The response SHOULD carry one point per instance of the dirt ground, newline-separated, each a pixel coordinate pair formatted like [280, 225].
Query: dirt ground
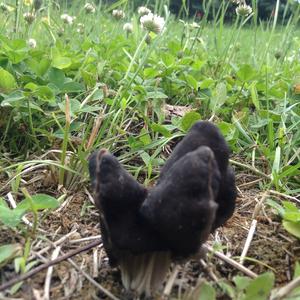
[271, 248]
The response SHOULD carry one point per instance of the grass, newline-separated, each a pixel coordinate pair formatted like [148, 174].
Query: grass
[93, 86]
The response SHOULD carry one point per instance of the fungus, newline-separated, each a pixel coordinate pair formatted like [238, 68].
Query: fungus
[181, 207]
[130, 243]
[204, 133]
[143, 230]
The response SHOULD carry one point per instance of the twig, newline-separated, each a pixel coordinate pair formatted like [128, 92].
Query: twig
[95, 237]
[170, 283]
[258, 206]
[89, 195]
[95, 263]
[252, 229]
[48, 264]
[284, 196]
[95, 283]
[87, 276]
[79, 269]
[26, 169]
[56, 243]
[254, 170]
[64, 204]
[100, 258]
[95, 131]
[248, 240]
[247, 184]
[37, 294]
[230, 261]
[211, 118]
[9, 298]
[49, 275]
[35, 179]
[286, 290]
[209, 270]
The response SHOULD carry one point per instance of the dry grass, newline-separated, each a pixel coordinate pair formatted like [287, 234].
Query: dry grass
[75, 224]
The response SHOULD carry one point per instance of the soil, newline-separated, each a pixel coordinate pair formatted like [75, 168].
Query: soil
[272, 248]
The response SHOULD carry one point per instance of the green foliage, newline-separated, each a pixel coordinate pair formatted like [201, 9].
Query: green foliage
[221, 71]
[187, 66]
[79, 90]
[13, 217]
[8, 252]
[245, 288]
[189, 119]
[8, 216]
[260, 287]
[207, 292]
[203, 291]
[290, 215]
[7, 81]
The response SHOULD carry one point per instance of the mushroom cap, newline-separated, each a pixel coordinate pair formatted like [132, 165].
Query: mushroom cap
[202, 133]
[205, 133]
[225, 198]
[118, 196]
[181, 208]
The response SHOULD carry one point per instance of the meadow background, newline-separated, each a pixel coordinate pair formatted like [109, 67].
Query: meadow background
[74, 79]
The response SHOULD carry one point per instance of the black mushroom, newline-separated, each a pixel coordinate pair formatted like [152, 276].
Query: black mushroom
[143, 230]
[129, 241]
[181, 207]
[205, 133]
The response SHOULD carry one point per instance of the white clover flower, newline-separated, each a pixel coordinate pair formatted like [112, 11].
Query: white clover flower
[118, 14]
[31, 43]
[64, 17]
[143, 10]
[153, 23]
[6, 8]
[67, 19]
[80, 28]
[3, 6]
[29, 17]
[294, 56]
[291, 57]
[185, 24]
[235, 1]
[243, 10]
[194, 25]
[90, 8]
[128, 27]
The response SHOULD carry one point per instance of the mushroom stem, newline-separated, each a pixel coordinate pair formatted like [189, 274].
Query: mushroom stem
[144, 273]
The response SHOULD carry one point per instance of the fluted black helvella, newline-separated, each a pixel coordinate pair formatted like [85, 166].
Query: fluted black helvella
[145, 229]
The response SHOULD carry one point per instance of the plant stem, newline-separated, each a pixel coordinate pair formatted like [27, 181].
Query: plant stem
[31, 124]
[135, 55]
[254, 170]
[65, 141]
[33, 209]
